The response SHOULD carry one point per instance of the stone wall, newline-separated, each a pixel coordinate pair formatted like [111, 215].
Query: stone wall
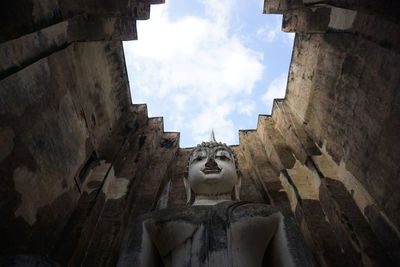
[65, 112]
[79, 163]
[335, 137]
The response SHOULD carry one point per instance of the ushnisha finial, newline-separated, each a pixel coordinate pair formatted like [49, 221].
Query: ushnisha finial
[212, 137]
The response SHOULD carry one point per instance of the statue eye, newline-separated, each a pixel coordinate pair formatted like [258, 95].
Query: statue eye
[222, 155]
[198, 157]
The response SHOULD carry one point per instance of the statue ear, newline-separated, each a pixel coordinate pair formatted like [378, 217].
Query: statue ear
[188, 190]
[238, 185]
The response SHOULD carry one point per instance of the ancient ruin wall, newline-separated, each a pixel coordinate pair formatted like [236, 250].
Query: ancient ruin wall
[334, 138]
[65, 107]
[79, 162]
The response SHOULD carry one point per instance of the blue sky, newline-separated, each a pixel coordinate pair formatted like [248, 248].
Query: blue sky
[204, 64]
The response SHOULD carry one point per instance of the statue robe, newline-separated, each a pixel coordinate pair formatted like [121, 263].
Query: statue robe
[239, 234]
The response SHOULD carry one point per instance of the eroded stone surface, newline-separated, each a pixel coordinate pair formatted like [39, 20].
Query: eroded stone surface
[7, 142]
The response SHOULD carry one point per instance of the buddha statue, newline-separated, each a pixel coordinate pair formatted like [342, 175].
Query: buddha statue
[217, 229]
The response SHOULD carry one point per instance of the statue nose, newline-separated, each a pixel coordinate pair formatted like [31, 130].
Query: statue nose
[211, 164]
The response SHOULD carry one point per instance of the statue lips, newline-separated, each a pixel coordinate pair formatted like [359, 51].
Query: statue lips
[212, 175]
[215, 170]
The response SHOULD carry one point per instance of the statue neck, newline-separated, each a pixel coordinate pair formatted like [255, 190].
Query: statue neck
[211, 199]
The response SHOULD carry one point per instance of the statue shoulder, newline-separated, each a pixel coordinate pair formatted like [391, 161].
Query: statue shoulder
[191, 214]
[252, 209]
[238, 210]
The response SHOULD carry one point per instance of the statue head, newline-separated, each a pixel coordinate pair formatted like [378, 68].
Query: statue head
[212, 171]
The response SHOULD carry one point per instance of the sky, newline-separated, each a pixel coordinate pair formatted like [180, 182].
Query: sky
[208, 64]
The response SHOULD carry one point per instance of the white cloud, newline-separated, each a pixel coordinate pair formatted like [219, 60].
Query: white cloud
[194, 66]
[273, 32]
[267, 34]
[177, 122]
[276, 89]
[180, 101]
[214, 118]
[246, 107]
[219, 10]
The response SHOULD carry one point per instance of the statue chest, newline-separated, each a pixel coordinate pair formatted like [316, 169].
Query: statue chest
[213, 237]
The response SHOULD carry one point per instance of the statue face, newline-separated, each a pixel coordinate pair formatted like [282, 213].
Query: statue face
[212, 171]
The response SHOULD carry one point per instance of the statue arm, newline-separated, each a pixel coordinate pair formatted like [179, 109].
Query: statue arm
[140, 250]
[149, 255]
[287, 248]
